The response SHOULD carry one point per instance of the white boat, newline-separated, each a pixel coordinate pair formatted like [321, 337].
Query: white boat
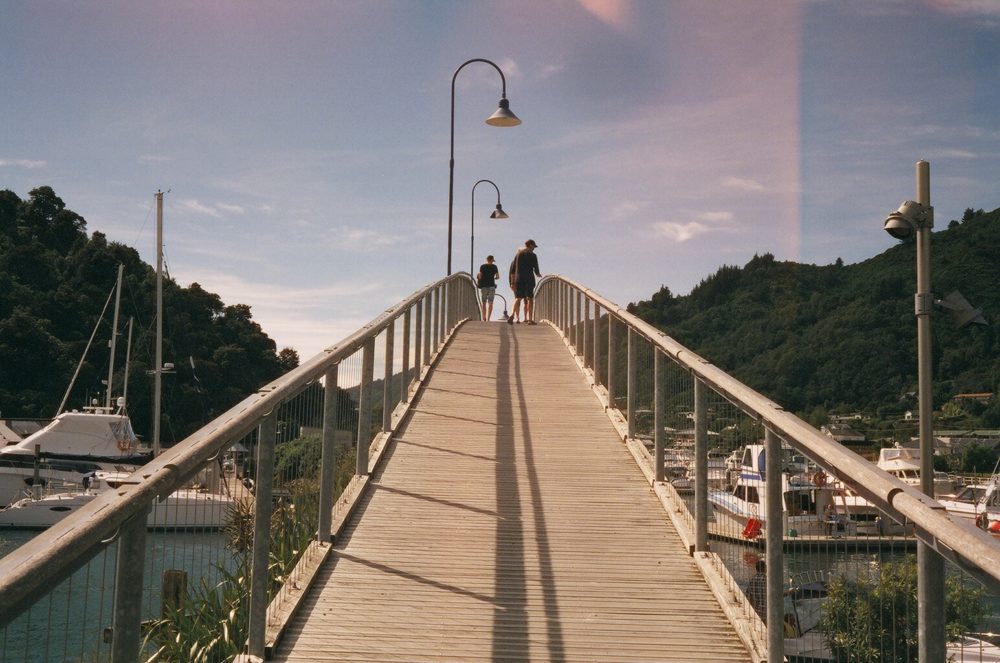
[71, 446]
[188, 508]
[904, 464]
[812, 505]
[976, 503]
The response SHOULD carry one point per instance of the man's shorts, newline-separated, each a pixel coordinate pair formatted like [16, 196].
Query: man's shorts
[486, 295]
[524, 289]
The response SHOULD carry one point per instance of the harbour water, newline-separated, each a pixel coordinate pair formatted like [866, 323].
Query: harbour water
[69, 623]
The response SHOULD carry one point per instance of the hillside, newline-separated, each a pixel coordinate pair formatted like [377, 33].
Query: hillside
[838, 337]
[54, 282]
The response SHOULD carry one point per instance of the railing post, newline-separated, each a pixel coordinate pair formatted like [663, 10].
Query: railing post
[365, 406]
[442, 308]
[595, 352]
[585, 347]
[435, 320]
[700, 466]
[126, 625]
[611, 361]
[775, 554]
[577, 323]
[428, 315]
[388, 405]
[418, 345]
[328, 458]
[659, 406]
[633, 365]
[404, 392]
[257, 619]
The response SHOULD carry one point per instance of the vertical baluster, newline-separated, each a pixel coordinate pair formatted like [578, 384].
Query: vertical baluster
[428, 315]
[404, 390]
[435, 320]
[585, 346]
[577, 324]
[267, 431]
[328, 462]
[388, 404]
[612, 378]
[365, 406]
[700, 465]
[775, 555]
[595, 352]
[418, 342]
[127, 617]
[630, 396]
[659, 410]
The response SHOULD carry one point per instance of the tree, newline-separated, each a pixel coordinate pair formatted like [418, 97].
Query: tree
[874, 619]
[288, 359]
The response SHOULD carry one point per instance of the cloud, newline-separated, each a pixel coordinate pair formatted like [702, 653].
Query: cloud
[24, 163]
[968, 7]
[362, 240]
[680, 232]
[217, 210]
[154, 158]
[194, 206]
[550, 70]
[955, 154]
[615, 13]
[625, 209]
[742, 184]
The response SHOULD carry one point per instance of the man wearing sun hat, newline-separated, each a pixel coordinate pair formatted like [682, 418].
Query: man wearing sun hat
[523, 270]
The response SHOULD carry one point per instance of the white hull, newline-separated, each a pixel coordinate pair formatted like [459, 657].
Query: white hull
[184, 509]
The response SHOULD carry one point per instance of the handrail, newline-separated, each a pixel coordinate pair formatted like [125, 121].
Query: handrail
[971, 549]
[54, 554]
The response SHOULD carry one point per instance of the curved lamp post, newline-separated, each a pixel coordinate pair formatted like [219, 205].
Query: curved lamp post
[917, 218]
[502, 117]
[498, 213]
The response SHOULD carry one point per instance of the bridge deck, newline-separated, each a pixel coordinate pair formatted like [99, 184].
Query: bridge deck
[509, 523]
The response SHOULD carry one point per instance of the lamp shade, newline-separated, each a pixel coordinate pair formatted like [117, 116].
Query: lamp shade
[498, 213]
[503, 117]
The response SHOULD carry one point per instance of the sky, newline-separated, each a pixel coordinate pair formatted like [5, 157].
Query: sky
[304, 146]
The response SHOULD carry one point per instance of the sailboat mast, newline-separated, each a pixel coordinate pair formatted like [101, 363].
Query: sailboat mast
[128, 356]
[158, 368]
[114, 336]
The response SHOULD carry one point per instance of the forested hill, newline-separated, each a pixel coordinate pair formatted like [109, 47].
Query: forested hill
[54, 282]
[838, 337]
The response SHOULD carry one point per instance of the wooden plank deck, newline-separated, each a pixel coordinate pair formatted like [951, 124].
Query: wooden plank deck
[509, 523]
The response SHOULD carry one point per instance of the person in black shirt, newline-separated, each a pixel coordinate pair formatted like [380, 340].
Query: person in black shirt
[522, 281]
[486, 281]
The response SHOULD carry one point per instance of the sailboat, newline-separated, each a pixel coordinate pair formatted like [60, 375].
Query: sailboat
[75, 443]
[200, 506]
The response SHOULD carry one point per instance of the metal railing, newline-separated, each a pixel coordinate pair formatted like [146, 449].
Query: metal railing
[91, 572]
[671, 407]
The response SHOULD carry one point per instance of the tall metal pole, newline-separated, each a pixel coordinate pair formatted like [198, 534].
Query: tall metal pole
[930, 571]
[775, 554]
[451, 153]
[158, 366]
[114, 336]
[472, 232]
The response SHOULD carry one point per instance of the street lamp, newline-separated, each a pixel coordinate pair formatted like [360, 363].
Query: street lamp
[502, 117]
[498, 213]
[918, 218]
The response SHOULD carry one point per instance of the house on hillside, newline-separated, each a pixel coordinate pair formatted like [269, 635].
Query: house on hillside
[844, 434]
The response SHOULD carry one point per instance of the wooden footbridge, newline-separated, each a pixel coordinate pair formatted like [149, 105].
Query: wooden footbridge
[509, 523]
[507, 507]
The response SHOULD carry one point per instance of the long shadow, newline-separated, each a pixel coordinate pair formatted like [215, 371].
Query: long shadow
[442, 450]
[510, 619]
[339, 554]
[435, 500]
[556, 646]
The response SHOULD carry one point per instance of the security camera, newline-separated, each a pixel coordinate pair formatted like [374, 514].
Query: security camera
[910, 216]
